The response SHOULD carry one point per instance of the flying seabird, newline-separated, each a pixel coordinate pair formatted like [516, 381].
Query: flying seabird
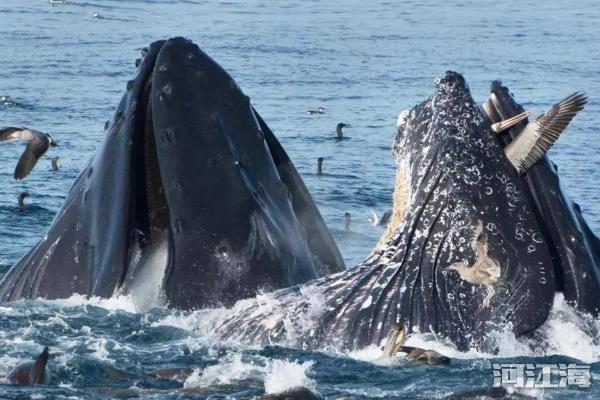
[338, 129]
[538, 136]
[38, 144]
[320, 110]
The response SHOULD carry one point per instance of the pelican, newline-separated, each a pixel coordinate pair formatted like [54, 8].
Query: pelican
[538, 136]
[485, 270]
[38, 145]
[395, 344]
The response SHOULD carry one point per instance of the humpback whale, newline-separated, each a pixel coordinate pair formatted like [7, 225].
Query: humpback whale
[190, 192]
[473, 246]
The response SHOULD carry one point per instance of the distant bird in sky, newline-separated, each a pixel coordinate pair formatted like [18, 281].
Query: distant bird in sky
[320, 110]
[37, 146]
[338, 129]
[383, 220]
[55, 163]
[22, 196]
[538, 136]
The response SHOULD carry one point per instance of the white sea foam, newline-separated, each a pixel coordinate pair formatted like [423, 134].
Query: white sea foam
[283, 375]
[277, 375]
[115, 303]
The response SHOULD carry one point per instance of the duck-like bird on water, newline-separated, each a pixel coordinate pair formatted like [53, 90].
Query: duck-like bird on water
[38, 145]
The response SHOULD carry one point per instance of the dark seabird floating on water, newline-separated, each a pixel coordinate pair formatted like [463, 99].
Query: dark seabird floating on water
[54, 161]
[338, 129]
[38, 145]
[22, 206]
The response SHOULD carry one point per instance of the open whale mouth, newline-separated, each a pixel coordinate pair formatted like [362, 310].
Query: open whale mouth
[478, 245]
[469, 250]
[191, 197]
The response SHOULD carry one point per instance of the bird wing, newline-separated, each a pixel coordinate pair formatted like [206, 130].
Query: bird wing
[10, 133]
[549, 126]
[25, 164]
[34, 150]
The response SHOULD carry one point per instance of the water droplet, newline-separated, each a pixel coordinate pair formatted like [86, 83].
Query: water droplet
[106, 125]
[130, 84]
[162, 67]
[167, 89]
[138, 62]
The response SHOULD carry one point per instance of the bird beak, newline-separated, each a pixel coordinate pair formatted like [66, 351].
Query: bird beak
[507, 123]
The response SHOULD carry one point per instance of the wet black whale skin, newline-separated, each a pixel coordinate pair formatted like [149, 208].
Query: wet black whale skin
[184, 165]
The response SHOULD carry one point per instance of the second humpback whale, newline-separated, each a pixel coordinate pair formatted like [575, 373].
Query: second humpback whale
[472, 246]
[190, 193]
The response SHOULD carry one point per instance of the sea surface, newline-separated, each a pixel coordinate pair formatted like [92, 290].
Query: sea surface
[364, 61]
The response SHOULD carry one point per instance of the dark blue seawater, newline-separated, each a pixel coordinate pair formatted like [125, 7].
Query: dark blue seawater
[364, 62]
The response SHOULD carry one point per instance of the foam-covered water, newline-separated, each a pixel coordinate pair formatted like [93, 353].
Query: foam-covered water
[362, 61]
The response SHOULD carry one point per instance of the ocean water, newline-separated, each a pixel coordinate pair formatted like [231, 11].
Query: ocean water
[364, 62]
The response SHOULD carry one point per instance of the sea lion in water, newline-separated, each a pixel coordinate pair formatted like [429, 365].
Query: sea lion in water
[33, 372]
[295, 393]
